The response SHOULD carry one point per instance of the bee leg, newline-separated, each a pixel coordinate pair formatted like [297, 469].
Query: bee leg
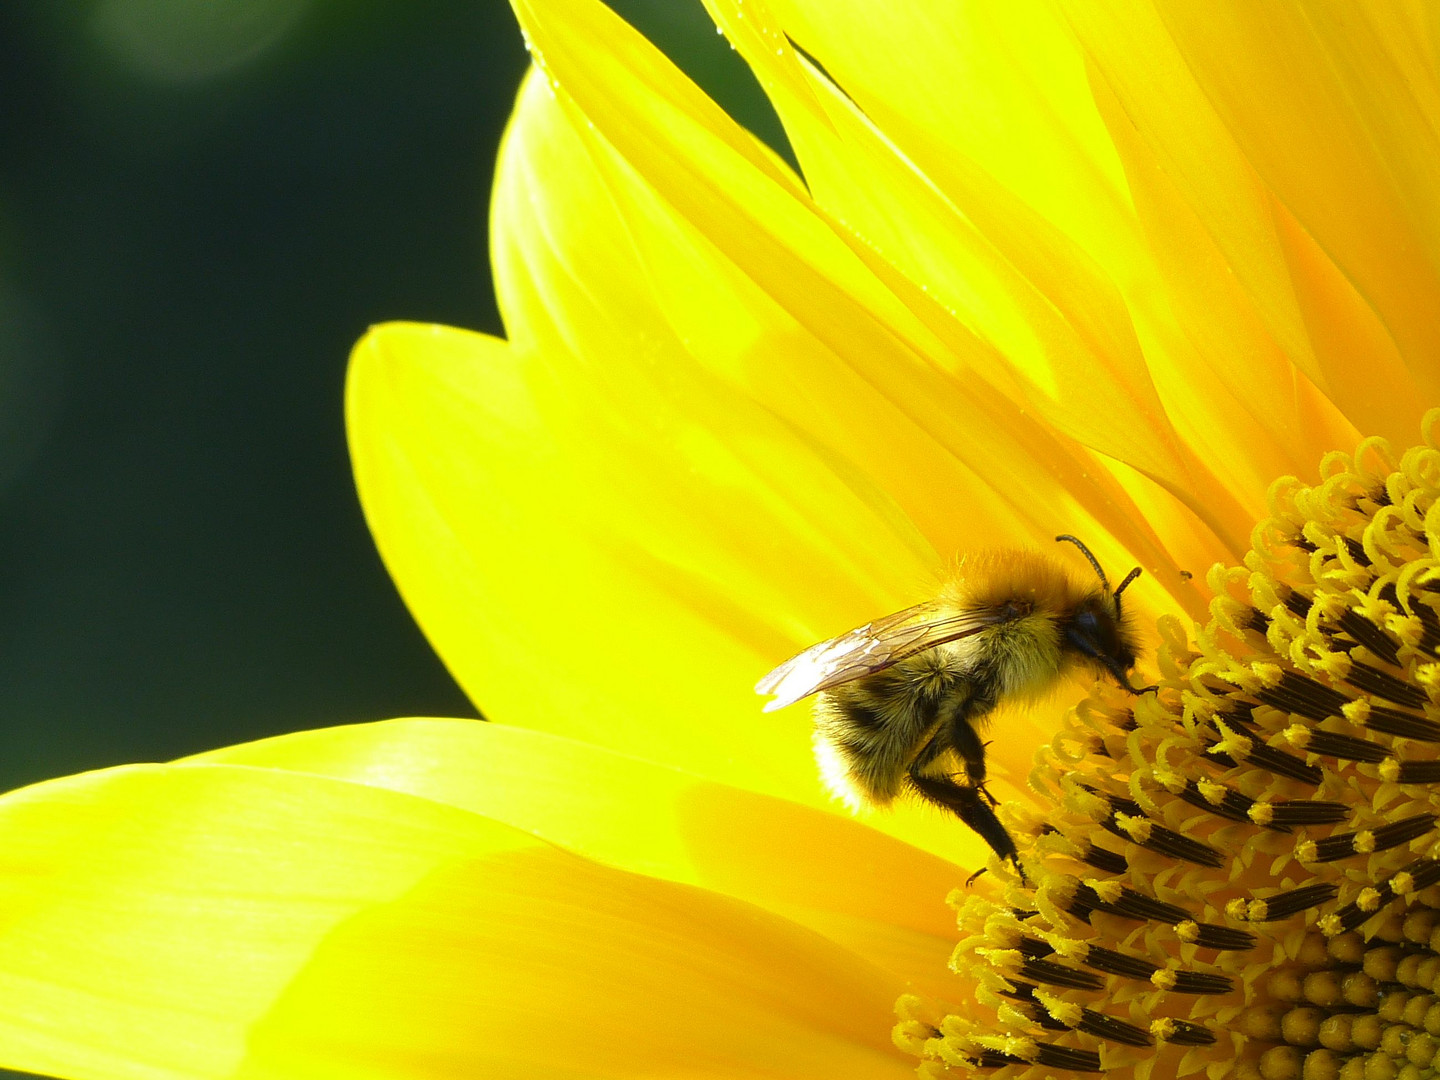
[970, 806]
[972, 803]
[1123, 678]
[960, 735]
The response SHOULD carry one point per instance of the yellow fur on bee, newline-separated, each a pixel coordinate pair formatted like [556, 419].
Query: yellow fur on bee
[869, 731]
[988, 578]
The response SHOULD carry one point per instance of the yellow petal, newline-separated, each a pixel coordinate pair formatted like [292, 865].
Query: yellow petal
[992, 103]
[209, 921]
[1275, 420]
[631, 106]
[557, 586]
[705, 205]
[1339, 118]
[978, 251]
[876, 896]
[744, 285]
[519, 970]
[633, 613]
[1090, 329]
[998, 84]
[1218, 230]
[632, 596]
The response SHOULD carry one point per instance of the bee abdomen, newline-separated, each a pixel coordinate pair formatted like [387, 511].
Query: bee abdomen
[868, 732]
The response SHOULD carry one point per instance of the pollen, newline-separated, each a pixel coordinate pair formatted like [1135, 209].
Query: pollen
[1237, 875]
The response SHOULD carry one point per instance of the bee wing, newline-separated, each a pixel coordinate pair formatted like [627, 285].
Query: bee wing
[870, 648]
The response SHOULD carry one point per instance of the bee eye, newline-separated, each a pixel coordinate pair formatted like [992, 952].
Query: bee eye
[1093, 633]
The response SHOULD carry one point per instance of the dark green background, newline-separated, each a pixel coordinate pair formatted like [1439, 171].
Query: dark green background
[190, 242]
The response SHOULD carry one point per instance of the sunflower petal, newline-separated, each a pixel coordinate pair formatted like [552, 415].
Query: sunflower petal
[1214, 220]
[978, 251]
[996, 83]
[743, 283]
[209, 920]
[633, 815]
[635, 114]
[617, 614]
[489, 475]
[638, 642]
[1091, 328]
[1335, 112]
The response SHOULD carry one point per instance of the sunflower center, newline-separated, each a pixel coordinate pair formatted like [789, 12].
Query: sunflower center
[1239, 874]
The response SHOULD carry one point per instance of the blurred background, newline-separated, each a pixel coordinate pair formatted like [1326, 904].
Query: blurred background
[202, 205]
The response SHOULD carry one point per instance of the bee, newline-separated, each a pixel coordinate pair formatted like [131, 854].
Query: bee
[903, 700]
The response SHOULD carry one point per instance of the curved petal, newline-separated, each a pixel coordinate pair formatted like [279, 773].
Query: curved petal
[1342, 120]
[1218, 228]
[574, 972]
[210, 921]
[627, 813]
[880, 898]
[713, 234]
[977, 251]
[649, 535]
[631, 614]
[997, 84]
[1128, 347]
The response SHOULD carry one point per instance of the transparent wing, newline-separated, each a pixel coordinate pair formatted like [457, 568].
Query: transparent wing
[870, 648]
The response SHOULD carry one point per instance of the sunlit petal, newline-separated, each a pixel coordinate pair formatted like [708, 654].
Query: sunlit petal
[511, 554]
[991, 262]
[649, 119]
[876, 896]
[1212, 217]
[208, 921]
[1332, 89]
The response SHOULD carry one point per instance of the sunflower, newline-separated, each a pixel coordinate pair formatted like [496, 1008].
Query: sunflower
[1107, 269]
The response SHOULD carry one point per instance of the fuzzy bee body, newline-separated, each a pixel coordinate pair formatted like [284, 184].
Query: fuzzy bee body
[901, 702]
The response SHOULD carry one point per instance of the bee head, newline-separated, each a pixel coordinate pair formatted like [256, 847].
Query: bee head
[1096, 629]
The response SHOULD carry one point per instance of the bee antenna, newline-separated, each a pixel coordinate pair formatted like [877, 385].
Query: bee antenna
[1093, 561]
[1131, 576]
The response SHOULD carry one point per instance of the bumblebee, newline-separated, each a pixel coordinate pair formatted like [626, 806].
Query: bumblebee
[902, 701]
